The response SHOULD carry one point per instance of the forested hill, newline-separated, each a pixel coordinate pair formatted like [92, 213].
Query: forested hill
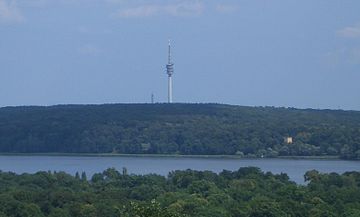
[180, 129]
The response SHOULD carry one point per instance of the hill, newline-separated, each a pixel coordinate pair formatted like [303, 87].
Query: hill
[179, 129]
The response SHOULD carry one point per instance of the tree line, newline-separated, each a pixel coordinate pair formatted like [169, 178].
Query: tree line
[247, 192]
[211, 129]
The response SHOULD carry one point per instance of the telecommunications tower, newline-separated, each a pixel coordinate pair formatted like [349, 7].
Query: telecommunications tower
[169, 72]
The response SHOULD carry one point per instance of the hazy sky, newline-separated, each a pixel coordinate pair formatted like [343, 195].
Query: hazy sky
[303, 53]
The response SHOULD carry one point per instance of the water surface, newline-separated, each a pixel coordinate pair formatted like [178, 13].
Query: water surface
[163, 165]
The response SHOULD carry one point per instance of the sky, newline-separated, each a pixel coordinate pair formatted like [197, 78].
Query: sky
[283, 53]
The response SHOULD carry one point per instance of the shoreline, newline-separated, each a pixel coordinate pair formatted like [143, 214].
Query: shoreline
[174, 156]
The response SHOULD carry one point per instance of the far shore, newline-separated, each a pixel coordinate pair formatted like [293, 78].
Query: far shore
[169, 156]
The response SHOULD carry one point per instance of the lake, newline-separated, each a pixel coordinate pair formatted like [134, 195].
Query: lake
[295, 168]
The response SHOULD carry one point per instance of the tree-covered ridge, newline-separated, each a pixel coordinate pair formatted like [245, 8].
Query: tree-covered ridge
[247, 192]
[180, 129]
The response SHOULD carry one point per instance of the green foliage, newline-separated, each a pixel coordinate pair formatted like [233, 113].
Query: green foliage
[247, 192]
[180, 129]
[150, 209]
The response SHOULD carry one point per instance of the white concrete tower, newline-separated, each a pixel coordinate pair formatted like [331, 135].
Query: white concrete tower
[169, 72]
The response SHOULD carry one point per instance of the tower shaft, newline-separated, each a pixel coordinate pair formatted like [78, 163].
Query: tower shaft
[170, 90]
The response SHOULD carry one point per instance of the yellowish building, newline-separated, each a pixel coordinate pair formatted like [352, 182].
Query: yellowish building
[288, 140]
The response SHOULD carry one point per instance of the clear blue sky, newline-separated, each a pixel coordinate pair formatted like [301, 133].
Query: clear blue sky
[303, 53]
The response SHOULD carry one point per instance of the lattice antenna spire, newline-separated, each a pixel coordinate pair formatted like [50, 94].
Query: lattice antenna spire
[169, 52]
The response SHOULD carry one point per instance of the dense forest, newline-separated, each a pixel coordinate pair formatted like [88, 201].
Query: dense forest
[211, 129]
[247, 192]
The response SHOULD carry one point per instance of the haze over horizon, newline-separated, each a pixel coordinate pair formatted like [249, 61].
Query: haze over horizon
[303, 54]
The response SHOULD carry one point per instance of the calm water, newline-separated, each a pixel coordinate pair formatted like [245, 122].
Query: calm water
[163, 165]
